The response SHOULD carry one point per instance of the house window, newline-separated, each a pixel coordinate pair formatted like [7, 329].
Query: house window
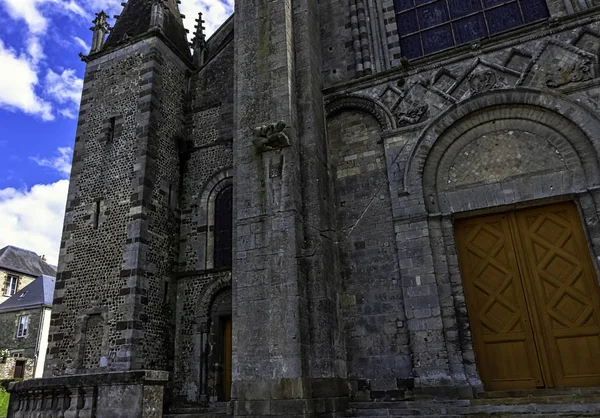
[12, 283]
[23, 326]
[429, 26]
[223, 229]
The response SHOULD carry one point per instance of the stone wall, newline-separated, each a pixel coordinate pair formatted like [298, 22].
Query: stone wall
[379, 357]
[8, 332]
[509, 122]
[7, 367]
[123, 198]
[209, 158]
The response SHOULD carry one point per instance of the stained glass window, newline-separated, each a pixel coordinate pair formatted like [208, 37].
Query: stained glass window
[223, 228]
[429, 26]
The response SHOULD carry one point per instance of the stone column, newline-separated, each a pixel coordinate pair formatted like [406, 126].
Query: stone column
[281, 258]
[270, 335]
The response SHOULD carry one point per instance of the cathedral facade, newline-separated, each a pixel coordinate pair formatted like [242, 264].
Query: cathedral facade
[328, 208]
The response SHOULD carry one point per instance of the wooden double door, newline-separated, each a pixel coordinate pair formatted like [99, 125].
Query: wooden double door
[532, 296]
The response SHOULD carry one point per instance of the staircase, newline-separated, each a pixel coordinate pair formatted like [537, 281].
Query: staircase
[584, 402]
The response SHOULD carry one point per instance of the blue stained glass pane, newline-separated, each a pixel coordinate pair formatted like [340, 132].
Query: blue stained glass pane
[460, 8]
[492, 3]
[504, 18]
[433, 14]
[470, 29]
[403, 5]
[534, 10]
[407, 23]
[421, 2]
[437, 39]
[411, 46]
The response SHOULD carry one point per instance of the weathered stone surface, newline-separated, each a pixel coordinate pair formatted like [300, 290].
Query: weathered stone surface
[348, 166]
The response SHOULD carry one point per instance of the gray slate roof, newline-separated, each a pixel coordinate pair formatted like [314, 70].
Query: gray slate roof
[39, 292]
[24, 261]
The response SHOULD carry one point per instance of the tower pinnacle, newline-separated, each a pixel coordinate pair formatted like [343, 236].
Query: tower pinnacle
[141, 16]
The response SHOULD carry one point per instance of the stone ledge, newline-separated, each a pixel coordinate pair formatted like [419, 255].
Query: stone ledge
[145, 377]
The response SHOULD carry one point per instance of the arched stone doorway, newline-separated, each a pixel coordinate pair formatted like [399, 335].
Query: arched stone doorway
[214, 342]
[495, 180]
[219, 348]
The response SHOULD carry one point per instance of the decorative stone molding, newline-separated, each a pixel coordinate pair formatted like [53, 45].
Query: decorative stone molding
[212, 290]
[484, 81]
[413, 116]
[574, 73]
[365, 104]
[271, 137]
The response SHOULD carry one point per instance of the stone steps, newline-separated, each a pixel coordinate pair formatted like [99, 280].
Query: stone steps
[544, 403]
[217, 411]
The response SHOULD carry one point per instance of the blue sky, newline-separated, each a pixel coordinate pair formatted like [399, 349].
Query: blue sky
[40, 88]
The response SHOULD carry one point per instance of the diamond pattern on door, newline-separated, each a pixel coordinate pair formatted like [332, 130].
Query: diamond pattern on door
[501, 328]
[569, 314]
[533, 298]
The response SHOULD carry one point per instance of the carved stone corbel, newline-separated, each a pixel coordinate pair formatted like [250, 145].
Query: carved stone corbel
[271, 137]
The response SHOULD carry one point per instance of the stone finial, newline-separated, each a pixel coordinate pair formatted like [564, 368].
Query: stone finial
[157, 15]
[100, 29]
[271, 137]
[198, 44]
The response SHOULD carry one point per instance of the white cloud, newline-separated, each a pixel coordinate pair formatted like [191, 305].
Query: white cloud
[61, 162]
[27, 10]
[64, 88]
[33, 219]
[82, 44]
[18, 80]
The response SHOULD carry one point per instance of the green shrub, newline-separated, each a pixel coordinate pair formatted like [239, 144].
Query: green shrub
[4, 397]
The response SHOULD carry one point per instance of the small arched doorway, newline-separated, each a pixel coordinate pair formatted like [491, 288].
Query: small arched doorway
[219, 348]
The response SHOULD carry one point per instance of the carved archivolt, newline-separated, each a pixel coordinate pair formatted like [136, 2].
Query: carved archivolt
[209, 294]
[365, 104]
[424, 157]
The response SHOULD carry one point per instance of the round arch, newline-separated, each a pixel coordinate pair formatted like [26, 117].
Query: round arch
[570, 128]
[212, 290]
[365, 104]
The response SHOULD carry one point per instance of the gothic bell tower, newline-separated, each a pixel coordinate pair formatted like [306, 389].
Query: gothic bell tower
[113, 316]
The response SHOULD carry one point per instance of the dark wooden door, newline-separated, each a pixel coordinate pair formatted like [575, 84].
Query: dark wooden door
[19, 369]
[533, 298]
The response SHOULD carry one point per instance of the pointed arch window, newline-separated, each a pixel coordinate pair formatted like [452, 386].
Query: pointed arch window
[429, 26]
[223, 229]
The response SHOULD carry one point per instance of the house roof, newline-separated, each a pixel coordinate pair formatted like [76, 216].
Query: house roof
[39, 292]
[24, 261]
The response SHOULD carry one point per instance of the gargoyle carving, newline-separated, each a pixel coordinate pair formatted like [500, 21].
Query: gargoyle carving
[413, 116]
[271, 137]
